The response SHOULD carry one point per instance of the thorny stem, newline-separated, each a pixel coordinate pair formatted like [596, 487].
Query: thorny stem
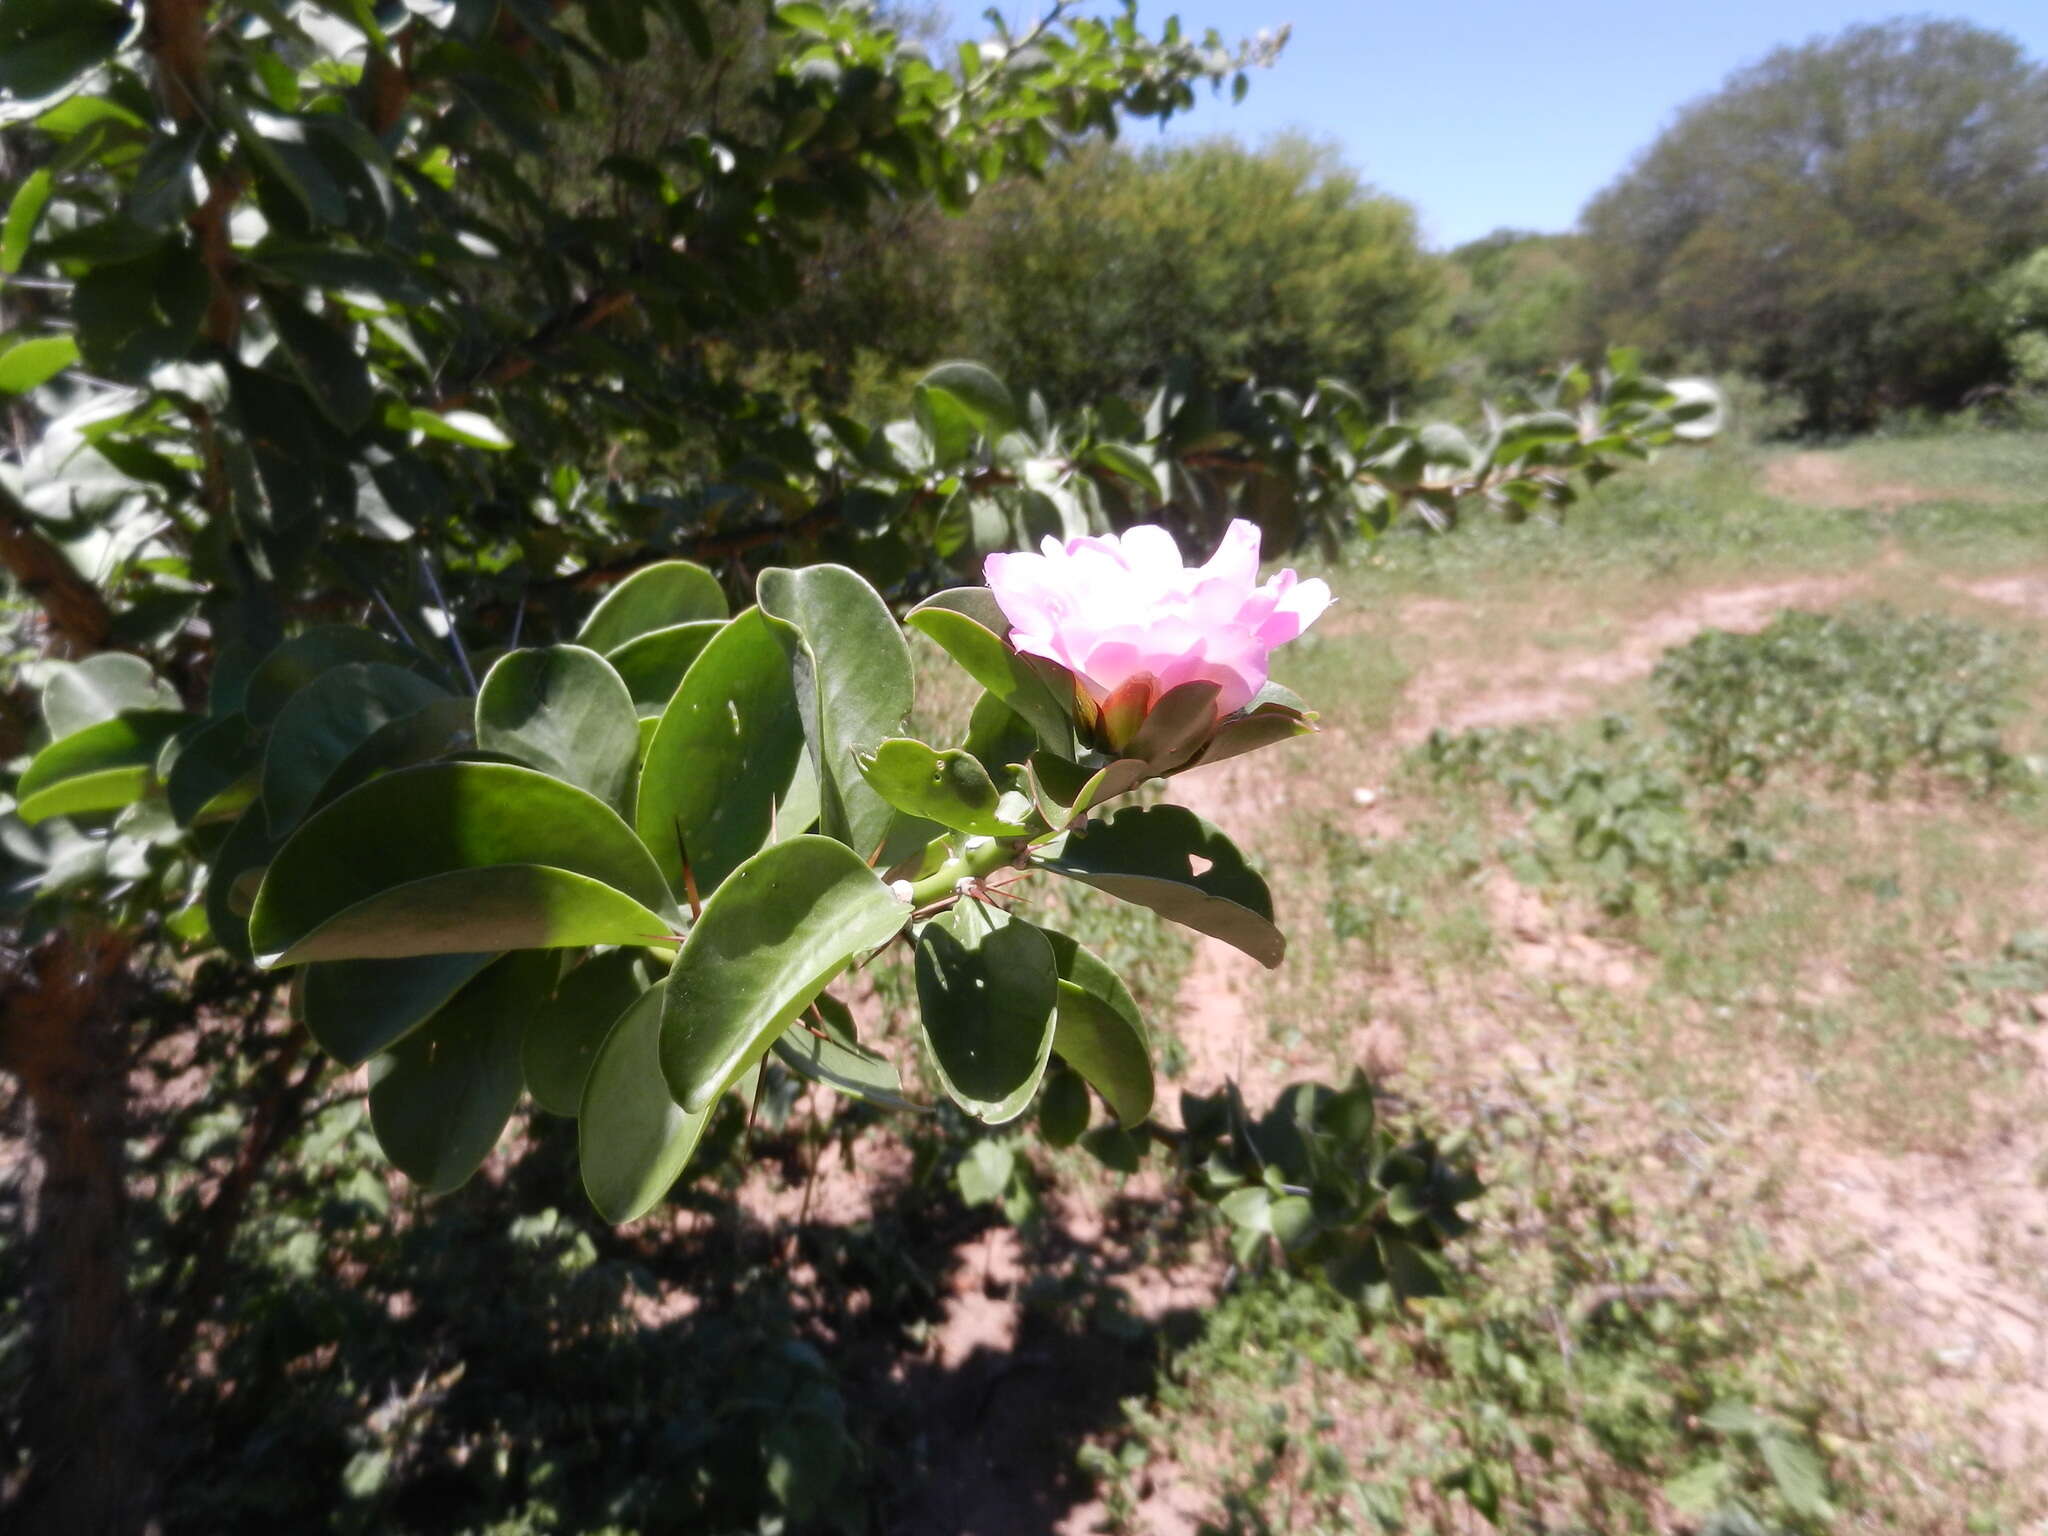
[977, 861]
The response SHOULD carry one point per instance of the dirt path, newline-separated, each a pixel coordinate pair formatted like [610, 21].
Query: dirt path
[1531, 683]
[1817, 478]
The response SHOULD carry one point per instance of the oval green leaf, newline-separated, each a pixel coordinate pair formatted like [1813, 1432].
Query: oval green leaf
[987, 985]
[573, 872]
[297, 661]
[356, 1008]
[653, 597]
[1099, 1031]
[728, 746]
[563, 710]
[83, 693]
[439, 1100]
[769, 941]
[632, 1138]
[988, 659]
[853, 687]
[323, 723]
[563, 1035]
[652, 665]
[100, 768]
[215, 774]
[950, 787]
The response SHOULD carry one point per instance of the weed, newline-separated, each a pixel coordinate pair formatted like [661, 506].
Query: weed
[1869, 694]
[1612, 808]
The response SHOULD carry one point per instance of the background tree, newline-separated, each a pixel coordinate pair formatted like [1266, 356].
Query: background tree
[1276, 263]
[1828, 220]
[1517, 304]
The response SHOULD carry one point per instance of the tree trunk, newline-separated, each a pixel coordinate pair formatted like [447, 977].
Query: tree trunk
[92, 1417]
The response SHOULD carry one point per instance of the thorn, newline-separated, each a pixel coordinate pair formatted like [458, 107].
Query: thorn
[689, 876]
[774, 821]
[754, 1107]
[662, 938]
[876, 857]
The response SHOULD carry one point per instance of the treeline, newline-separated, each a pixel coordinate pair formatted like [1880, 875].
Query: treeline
[1854, 222]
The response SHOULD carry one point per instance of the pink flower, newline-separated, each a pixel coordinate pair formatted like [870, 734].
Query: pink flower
[1131, 622]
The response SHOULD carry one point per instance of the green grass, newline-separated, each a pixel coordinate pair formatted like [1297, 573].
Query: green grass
[1662, 1323]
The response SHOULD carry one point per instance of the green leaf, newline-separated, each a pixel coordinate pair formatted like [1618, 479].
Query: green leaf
[985, 399]
[729, 744]
[1800, 1478]
[1147, 855]
[323, 723]
[1064, 1108]
[769, 941]
[997, 735]
[24, 212]
[27, 364]
[853, 689]
[242, 854]
[297, 661]
[985, 1171]
[563, 1035]
[443, 728]
[326, 362]
[101, 768]
[987, 985]
[988, 659]
[440, 1099]
[654, 597]
[356, 1008]
[950, 787]
[475, 856]
[848, 1069]
[563, 710]
[1100, 1033]
[633, 1139]
[43, 48]
[83, 693]
[215, 774]
[508, 906]
[652, 665]
[472, 429]
[1263, 725]
[1410, 1271]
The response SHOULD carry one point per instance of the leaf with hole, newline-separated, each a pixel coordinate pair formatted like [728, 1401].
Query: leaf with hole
[1169, 859]
[950, 788]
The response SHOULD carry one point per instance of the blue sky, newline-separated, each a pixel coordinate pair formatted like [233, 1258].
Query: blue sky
[1485, 113]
